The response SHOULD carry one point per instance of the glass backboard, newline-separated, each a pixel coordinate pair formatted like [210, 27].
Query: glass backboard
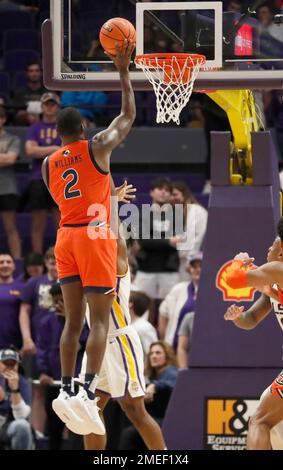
[243, 50]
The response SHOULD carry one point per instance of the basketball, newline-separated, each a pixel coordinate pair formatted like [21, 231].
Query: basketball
[116, 30]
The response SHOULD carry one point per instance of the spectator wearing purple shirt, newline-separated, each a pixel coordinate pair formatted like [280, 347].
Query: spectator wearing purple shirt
[48, 362]
[36, 305]
[33, 265]
[10, 292]
[42, 140]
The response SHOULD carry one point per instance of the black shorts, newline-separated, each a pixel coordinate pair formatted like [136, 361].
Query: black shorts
[29, 364]
[39, 196]
[9, 202]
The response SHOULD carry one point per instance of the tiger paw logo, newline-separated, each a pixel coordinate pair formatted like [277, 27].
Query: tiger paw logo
[279, 379]
[246, 293]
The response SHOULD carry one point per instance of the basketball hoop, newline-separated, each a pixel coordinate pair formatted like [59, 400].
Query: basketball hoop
[172, 77]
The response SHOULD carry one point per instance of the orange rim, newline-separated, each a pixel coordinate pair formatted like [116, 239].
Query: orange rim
[153, 60]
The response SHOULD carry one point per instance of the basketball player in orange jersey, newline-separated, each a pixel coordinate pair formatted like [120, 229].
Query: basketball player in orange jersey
[122, 371]
[78, 178]
[266, 426]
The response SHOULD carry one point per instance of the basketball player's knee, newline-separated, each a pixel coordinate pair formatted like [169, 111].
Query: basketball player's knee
[259, 419]
[72, 329]
[100, 324]
[134, 412]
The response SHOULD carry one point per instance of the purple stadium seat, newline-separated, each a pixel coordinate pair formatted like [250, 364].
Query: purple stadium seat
[19, 60]
[20, 80]
[4, 83]
[21, 39]
[15, 20]
[44, 5]
[43, 15]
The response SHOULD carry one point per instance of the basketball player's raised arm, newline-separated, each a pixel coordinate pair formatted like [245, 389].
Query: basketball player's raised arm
[252, 317]
[104, 142]
[267, 274]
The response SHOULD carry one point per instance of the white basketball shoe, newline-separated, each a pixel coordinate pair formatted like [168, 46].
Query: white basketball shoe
[88, 411]
[61, 406]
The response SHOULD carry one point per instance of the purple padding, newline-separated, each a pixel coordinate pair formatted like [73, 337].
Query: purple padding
[185, 423]
[143, 180]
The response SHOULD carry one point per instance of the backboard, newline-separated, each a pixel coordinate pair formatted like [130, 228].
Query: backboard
[243, 50]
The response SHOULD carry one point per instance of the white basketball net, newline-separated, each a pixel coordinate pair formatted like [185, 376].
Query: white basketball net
[172, 82]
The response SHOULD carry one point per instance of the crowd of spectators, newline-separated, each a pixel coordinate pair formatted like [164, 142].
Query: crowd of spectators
[32, 319]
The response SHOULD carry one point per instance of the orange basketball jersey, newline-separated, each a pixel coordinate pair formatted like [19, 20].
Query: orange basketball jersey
[80, 188]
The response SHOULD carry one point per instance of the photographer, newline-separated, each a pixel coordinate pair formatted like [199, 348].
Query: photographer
[15, 400]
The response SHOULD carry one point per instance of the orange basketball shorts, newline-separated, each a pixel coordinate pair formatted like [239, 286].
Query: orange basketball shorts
[83, 255]
[276, 387]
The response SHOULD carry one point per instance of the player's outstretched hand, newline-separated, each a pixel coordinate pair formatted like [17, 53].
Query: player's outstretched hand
[245, 258]
[233, 312]
[125, 192]
[123, 55]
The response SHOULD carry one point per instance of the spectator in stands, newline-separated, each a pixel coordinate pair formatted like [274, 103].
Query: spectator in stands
[92, 103]
[265, 14]
[36, 306]
[10, 292]
[184, 340]
[48, 362]
[37, 302]
[33, 112]
[33, 91]
[139, 303]
[15, 399]
[42, 139]
[195, 222]
[33, 266]
[9, 5]
[9, 152]
[161, 373]
[235, 5]
[157, 258]
[133, 266]
[180, 300]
